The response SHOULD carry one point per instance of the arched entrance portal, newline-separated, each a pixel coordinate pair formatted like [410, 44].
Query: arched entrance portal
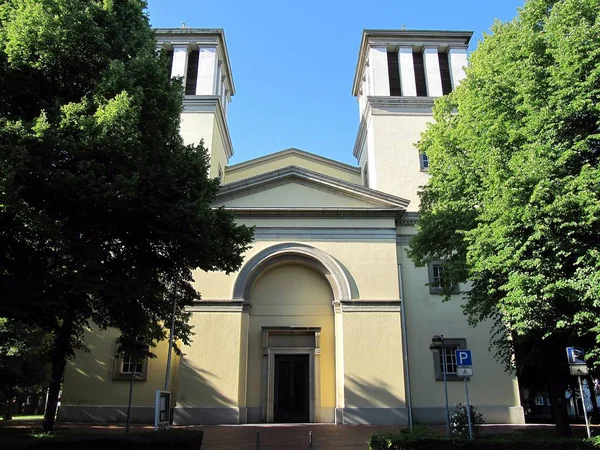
[293, 351]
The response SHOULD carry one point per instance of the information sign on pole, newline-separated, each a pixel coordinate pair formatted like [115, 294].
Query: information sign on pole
[578, 367]
[464, 369]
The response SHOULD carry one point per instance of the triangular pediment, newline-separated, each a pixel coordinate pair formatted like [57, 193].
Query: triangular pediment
[297, 188]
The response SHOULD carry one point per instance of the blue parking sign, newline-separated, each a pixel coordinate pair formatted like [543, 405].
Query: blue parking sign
[576, 355]
[463, 358]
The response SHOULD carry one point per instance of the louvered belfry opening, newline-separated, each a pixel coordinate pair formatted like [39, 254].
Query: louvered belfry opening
[191, 78]
[170, 59]
[420, 74]
[394, 74]
[445, 72]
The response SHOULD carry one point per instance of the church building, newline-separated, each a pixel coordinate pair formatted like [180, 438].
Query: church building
[327, 320]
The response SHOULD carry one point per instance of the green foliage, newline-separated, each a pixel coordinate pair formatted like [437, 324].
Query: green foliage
[105, 212]
[183, 440]
[24, 358]
[402, 441]
[459, 421]
[513, 204]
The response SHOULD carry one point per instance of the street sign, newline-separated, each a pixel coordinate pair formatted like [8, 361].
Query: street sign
[463, 358]
[576, 355]
[578, 370]
[464, 371]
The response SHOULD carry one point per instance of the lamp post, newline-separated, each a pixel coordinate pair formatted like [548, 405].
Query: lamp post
[437, 347]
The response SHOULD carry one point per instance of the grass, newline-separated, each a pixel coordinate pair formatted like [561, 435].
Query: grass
[23, 418]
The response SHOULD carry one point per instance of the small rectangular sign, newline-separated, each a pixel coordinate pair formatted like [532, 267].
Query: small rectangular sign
[463, 358]
[576, 355]
[464, 371]
[578, 370]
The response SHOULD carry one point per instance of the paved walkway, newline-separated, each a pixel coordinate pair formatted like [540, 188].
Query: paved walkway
[296, 437]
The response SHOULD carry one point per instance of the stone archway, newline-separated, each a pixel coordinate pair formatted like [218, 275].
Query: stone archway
[275, 258]
[293, 252]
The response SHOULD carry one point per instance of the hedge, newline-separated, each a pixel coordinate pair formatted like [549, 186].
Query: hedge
[399, 441]
[165, 440]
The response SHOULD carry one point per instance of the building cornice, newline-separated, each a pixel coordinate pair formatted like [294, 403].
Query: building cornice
[316, 212]
[294, 152]
[199, 36]
[308, 177]
[210, 104]
[348, 306]
[408, 219]
[392, 39]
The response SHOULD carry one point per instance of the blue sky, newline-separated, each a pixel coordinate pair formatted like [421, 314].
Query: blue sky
[293, 62]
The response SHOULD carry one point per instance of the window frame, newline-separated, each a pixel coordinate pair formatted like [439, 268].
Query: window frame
[455, 343]
[422, 158]
[433, 287]
[120, 361]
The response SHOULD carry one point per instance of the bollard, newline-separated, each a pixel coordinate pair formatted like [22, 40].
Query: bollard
[258, 440]
[310, 440]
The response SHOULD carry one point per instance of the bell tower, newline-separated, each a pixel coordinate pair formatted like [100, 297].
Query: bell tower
[199, 56]
[398, 76]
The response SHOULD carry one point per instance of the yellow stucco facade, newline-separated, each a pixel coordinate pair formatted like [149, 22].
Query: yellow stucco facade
[327, 320]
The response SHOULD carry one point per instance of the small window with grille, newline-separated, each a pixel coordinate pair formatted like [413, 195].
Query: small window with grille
[445, 359]
[126, 364]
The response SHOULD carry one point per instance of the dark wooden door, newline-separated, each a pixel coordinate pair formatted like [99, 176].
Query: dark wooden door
[291, 389]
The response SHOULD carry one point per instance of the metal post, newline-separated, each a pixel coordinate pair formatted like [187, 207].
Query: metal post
[128, 421]
[445, 386]
[310, 440]
[258, 440]
[171, 337]
[468, 410]
[587, 424]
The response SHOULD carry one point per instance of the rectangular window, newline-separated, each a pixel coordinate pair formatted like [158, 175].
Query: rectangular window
[125, 365]
[394, 74]
[436, 278]
[445, 359]
[420, 74]
[445, 73]
[424, 161]
[128, 365]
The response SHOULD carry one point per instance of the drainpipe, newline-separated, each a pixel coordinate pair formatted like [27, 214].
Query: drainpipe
[405, 349]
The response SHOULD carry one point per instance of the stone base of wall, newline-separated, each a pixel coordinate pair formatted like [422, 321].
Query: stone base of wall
[492, 414]
[104, 414]
[205, 416]
[372, 416]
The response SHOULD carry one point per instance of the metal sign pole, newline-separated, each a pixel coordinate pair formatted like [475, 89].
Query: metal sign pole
[446, 390]
[587, 424]
[468, 410]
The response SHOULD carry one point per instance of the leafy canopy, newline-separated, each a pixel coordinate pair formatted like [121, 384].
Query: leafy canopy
[513, 204]
[104, 212]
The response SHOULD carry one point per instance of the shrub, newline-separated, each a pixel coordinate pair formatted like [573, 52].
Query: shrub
[167, 440]
[401, 441]
[459, 421]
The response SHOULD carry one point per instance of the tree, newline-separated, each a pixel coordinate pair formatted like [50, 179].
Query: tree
[24, 361]
[513, 203]
[103, 209]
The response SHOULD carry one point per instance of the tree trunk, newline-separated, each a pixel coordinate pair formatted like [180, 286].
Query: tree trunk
[559, 403]
[8, 408]
[59, 361]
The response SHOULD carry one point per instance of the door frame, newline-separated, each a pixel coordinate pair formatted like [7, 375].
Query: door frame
[313, 379]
